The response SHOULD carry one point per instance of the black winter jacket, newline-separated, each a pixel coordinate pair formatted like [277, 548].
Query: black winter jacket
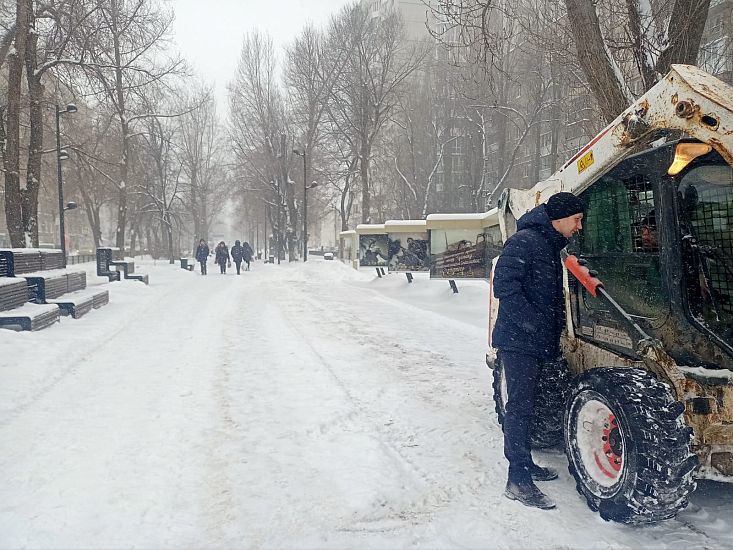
[528, 283]
[202, 253]
[246, 252]
[237, 253]
[222, 254]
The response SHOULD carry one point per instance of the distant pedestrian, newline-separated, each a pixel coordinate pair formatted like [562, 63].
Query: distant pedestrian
[237, 253]
[222, 256]
[247, 254]
[202, 254]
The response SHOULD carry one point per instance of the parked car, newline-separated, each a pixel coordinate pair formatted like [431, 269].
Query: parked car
[328, 255]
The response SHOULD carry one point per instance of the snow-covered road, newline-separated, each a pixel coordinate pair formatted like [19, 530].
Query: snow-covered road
[304, 406]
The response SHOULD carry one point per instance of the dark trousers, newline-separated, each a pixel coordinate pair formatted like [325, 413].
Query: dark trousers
[203, 267]
[247, 265]
[223, 267]
[238, 264]
[520, 372]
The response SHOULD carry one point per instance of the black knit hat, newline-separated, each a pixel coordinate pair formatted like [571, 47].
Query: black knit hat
[564, 205]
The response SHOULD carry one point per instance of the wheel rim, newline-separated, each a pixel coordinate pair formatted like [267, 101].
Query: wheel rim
[600, 445]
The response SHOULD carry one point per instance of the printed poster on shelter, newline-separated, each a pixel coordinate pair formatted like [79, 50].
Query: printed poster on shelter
[409, 251]
[373, 250]
[457, 254]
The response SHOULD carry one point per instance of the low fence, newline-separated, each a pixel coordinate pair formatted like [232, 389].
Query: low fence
[80, 259]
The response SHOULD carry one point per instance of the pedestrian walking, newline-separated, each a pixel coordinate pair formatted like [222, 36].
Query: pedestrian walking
[202, 255]
[237, 253]
[222, 257]
[247, 254]
[528, 281]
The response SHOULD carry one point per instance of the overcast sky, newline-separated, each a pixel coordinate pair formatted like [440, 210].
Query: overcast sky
[209, 33]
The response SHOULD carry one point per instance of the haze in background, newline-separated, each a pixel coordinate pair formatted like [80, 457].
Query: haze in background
[210, 33]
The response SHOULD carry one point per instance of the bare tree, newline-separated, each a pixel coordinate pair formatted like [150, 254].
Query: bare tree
[202, 154]
[93, 167]
[130, 58]
[161, 187]
[378, 63]
[258, 130]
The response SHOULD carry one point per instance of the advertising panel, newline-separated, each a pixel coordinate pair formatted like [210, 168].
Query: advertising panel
[409, 251]
[373, 250]
[457, 254]
[345, 251]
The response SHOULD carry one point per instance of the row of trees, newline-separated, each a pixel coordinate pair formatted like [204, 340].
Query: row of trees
[147, 148]
[398, 127]
[388, 125]
[341, 87]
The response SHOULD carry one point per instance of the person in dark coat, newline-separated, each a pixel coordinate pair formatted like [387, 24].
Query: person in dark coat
[202, 255]
[237, 253]
[222, 256]
[528, 281]
[247, 254]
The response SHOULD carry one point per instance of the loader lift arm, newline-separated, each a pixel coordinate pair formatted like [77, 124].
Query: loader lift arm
[687, 100]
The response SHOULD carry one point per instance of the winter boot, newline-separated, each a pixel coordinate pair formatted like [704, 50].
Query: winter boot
[542, 474]
[529, 495]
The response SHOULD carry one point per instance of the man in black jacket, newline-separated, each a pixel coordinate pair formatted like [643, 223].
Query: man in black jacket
[528, 283]
[237, 252]
[202, 254]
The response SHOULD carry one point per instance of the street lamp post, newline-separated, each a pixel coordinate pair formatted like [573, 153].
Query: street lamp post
[62, 155]
[305, 202]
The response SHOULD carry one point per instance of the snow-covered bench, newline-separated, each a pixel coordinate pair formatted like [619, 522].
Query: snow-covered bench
[15, 311]
[66, 290]
[76, 304]
[188, 263]
[112, 257]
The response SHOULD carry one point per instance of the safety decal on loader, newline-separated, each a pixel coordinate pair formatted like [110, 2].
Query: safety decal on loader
[585, 161]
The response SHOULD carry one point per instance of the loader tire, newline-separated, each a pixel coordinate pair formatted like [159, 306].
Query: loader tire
[628, 446]
[553, 387]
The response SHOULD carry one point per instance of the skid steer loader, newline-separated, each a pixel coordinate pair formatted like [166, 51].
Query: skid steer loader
[643, 399]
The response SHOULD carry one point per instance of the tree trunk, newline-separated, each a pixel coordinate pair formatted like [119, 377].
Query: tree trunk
[195, 207]
[13, 196]
[366, 198]
[685, 33]
[121, 112]
[291, 219]
[35, 145]
[595, 60]
[169, 234]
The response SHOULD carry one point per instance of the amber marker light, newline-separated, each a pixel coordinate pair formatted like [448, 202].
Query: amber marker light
[685, 154]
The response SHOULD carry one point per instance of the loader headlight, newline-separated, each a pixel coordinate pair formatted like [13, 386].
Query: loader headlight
[685, 154]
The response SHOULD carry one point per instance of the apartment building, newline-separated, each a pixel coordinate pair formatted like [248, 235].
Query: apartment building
[415, 13]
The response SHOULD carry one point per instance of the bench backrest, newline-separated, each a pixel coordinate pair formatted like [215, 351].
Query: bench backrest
[13, 293]
[52, 259]
[19, 260]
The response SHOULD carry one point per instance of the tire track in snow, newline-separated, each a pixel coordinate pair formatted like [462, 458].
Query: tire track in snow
[407, 440]
[420, 368]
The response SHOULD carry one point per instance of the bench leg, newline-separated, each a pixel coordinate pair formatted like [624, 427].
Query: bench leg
[409, 277]
[452, 284]
[378, 273]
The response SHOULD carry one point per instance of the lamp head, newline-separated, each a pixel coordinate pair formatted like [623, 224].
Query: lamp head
[71, 108]
[70, 206]
[63, 154]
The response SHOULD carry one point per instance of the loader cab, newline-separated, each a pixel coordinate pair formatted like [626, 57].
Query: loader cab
[651, 236]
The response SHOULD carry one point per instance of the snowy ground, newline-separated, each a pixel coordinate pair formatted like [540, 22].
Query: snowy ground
[294, 406]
